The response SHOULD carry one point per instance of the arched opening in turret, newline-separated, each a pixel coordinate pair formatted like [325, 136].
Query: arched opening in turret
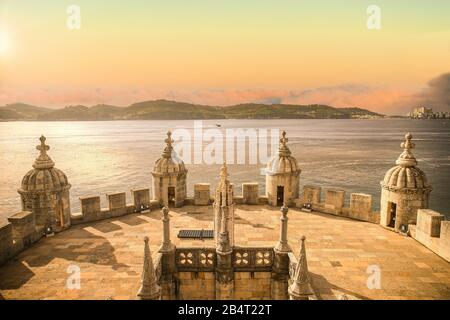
[280, 195]
[392, 209]
[171, 196]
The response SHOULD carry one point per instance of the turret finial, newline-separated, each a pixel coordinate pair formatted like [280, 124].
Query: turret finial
[224, 172]
[43, 161]
[43, 148]
[407, 144]
[284, 210]
[407, 159]
[167, 153]
[165, 212]
[283, 149]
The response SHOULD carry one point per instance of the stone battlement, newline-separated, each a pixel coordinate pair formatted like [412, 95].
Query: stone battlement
[360, 204]
[21, 230]
[433, 232]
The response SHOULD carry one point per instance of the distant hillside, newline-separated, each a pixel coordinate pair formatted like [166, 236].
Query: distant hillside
[21, 111]
[171, 110]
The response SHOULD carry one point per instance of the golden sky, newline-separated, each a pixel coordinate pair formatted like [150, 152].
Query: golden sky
[222, 52]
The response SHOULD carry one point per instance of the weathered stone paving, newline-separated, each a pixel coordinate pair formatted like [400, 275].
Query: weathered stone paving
[339, 250]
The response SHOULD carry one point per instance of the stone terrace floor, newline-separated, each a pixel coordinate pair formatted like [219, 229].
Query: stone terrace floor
[339, 250]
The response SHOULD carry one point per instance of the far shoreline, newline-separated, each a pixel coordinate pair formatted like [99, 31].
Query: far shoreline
[200, 119]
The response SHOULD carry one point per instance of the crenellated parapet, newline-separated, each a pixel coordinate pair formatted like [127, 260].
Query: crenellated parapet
[117, 206]
[17, 234]
[433, 231]
[360, 205]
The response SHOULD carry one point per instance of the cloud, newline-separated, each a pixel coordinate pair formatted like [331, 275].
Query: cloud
[437, 95]
[388, 100]
[382, 99]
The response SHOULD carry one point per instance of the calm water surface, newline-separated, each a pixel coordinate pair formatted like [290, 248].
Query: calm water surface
[111, 156]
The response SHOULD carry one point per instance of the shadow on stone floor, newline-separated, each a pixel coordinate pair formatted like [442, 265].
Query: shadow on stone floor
[239, 220]
[322, 287]
[131, 220]
[14, 274]
[204, 216]
[254, 208]
[79, 246]
[106, 227]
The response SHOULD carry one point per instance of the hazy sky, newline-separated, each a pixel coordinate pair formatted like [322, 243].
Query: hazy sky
[223, 52]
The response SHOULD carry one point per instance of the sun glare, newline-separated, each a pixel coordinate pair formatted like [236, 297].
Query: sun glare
[4, 43]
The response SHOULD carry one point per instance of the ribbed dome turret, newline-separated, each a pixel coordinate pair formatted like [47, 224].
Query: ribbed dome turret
[169, 161]
[44, 176]
[283, 161]
[406, 174]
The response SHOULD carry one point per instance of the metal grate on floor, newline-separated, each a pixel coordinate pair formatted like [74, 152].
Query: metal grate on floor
[196, 234]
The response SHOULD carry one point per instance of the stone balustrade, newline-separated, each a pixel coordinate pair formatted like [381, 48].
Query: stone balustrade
[243, 259]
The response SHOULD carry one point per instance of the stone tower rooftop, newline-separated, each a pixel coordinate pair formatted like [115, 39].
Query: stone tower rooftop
[339, 251]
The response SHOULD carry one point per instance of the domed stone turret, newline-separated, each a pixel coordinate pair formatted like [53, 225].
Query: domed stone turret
[404, 190]
[169, 177]
[45, 191]
[282, 176]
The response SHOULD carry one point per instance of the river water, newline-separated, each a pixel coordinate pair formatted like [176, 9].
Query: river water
[111, 156]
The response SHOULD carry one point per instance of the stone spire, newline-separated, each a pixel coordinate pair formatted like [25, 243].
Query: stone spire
[43, 161]
[149, 289]
[223, 208]
[283, 149]
[223, 173]
[167, 244]
[407, 159]
[222, 191]
[224, 246]
[167, 153]
[282, 245]
[301, 287]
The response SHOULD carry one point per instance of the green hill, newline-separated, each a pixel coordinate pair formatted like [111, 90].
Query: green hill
[21, 111]
[172, 110]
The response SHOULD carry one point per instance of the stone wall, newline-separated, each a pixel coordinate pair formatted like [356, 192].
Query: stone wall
[310, 195]
[141, 198]
[250, 193]
[196, 286]
[17, 234]
[117, 206]
[24, 227]
[360, 207]
[407, 203]
[247, 285]
[433, 232]
[252, 285]
[334, 201]
[202, 194]
[6, 242]
[290, 183]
